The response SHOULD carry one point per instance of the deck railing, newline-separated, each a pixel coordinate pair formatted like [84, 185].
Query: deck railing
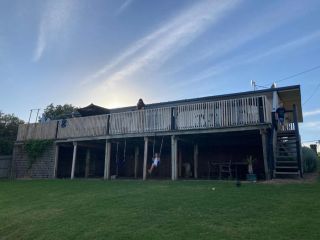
[225, 113]
[150, 120]
[214, 114]
[83, 127]
[37, 131]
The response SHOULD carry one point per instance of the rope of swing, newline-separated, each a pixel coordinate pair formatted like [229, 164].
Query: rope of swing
[154, 142]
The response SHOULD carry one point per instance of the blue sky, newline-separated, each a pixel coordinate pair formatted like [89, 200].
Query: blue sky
[112, 52]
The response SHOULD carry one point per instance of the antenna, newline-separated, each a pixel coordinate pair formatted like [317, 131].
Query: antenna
[31, 111]
[253, 84]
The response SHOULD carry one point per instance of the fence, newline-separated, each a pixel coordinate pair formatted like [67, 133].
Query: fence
[5, 166]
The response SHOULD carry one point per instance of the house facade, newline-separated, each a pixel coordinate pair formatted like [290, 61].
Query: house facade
[208, 137]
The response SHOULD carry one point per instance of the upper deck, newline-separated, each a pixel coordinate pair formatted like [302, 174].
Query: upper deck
[176, 117]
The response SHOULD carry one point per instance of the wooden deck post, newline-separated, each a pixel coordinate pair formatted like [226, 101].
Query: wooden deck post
[136, 161]
[174, 151]
[145, 158]
[274, 151]
[56, 158]
[107, 157]
[195, 160]
[180, 163]
[74, 157]
[265, 153]
[87, 169]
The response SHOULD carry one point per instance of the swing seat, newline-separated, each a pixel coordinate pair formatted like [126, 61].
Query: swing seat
[156, 163]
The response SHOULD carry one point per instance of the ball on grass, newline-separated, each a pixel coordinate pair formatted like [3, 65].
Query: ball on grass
[213, 189]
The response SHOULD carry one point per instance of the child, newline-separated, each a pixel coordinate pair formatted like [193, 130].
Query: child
[156, 161]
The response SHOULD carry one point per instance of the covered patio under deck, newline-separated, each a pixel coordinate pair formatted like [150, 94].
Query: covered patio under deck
[184, 155]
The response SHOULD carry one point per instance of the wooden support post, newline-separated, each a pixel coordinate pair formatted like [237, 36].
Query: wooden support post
[274, 150]
[56, 158]
[136, 161]
[180, 163]
[74, 157]
[107, 157]
[145, 158]
[174, 151]
[195, 160]
[87, 169]
[265, 153]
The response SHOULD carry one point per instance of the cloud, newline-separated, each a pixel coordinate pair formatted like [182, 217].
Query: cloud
[123, 6]
[260, 24]
[312, 113]
[251, 57]
[53, 21]
[155, 48]
[313, 125]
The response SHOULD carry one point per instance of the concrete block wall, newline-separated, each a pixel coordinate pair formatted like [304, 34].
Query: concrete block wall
[42, 168]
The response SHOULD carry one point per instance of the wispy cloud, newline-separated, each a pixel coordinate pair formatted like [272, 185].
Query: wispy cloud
[252, 57]
[172, 36]
[315, 125]
[312, 113]
[243, 33]
[123, 6]
[53, 21]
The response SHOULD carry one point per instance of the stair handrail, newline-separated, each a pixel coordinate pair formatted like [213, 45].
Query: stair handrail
[298, 141]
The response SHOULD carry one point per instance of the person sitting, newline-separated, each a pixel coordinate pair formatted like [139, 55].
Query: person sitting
[155, 163]
[140, 104]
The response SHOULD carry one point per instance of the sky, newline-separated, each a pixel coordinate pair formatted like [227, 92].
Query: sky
[113, 52]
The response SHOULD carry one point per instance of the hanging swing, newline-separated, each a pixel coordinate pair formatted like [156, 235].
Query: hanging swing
[156, 156]
[153, 149]
[120, 162]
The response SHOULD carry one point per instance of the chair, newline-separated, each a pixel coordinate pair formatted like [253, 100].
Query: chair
[225, 169]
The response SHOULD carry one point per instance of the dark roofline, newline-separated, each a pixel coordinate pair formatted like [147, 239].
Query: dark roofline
[207, 98]
[92, 110]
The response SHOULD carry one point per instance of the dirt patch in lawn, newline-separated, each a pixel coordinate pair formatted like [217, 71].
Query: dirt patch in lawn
[307, 178]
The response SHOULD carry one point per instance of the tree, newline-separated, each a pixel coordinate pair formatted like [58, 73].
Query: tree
[58, 111]
[9, 124]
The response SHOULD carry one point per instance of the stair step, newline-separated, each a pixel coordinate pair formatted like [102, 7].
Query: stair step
[286, 142]
[286, 137]
[283, 162]
[284, 157]
[287, 173]
[292, 150]
[286, 149]
[286, 154]
[286, 146]
[286, 131]
[287, 134]
[287, 167]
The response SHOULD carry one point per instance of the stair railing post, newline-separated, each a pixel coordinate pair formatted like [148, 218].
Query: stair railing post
[298, 142]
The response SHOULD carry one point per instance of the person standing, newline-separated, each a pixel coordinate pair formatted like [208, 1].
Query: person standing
[280, 114]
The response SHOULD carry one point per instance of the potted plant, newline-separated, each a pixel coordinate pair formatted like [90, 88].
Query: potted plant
[251, 176]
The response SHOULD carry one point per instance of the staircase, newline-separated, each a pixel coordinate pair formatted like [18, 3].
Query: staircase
[286, 156]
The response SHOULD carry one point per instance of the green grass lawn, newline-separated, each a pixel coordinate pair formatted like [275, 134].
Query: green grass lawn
[96, 209]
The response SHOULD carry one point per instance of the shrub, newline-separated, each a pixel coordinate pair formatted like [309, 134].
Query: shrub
[35, 148]
[310, 159]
